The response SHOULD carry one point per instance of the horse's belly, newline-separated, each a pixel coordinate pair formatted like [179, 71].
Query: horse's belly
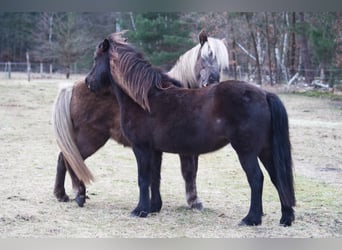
[191, 144]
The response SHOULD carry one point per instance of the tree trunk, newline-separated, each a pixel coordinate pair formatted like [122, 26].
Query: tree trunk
[255, 49]
[274, 45]
[304, 50]
[285, 44]
[293, 47]
[269, 49]
[132, 21]
[50, 28]
[234, 53]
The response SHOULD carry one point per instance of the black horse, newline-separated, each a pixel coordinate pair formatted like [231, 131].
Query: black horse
[158, 117]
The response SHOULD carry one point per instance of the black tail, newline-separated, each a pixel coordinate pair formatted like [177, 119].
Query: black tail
[282, 158]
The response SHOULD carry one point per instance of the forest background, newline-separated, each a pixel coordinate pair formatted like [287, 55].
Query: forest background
[264, 47]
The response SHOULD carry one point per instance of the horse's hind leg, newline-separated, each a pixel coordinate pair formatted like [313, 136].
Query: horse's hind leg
[287, 212]
[59, 190]
[189, 165]
[255, 179]
[78, 187]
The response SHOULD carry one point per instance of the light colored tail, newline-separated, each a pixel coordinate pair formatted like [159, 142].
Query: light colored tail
[65, 137]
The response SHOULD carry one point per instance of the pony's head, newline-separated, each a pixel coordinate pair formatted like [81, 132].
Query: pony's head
[207, 68]
[215, 59]
[200, 65]
[99, 76]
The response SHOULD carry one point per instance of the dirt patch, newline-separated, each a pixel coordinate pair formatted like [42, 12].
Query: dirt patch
[29, 155]
[316, 135]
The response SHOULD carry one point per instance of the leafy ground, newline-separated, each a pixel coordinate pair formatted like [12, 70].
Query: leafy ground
[28, 160]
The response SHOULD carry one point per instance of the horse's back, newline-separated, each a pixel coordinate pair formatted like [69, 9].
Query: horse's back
[241, 96]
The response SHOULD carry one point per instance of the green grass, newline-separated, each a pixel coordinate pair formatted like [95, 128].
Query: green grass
[320, 94]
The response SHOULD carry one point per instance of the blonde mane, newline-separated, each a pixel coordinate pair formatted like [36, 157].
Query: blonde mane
[220, 52]
[184, 69]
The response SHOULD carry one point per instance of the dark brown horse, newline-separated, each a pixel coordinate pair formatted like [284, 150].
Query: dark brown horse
[158, 117]
[84, 121]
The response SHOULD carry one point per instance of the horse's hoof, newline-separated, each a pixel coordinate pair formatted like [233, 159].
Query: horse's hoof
[287, 217]
[139, 213]
[80, 200]
[61, 195]
[286, 221]
[249, 222]
[197, 206]
[64, 198]
[156, 207]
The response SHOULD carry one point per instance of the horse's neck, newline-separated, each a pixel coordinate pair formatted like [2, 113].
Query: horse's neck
[120, 97]
[123, 99]
[184, 79]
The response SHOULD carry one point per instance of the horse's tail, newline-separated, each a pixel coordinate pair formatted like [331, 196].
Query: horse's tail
[65, 137]
[281, 147]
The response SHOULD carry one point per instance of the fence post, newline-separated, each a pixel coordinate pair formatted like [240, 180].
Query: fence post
[28, 66]
[41, 69]
[9, 69]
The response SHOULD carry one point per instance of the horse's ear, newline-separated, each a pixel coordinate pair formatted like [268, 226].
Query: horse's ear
[203, 37]
[105, 45]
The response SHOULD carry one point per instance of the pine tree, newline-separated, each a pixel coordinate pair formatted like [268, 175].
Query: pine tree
[162, 37]
[323, 40]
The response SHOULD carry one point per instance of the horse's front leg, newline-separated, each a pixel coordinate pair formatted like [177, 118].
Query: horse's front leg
[189, 165]
[156, 201]
[143, 157]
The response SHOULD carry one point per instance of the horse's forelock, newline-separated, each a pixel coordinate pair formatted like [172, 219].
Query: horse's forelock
[219, 51]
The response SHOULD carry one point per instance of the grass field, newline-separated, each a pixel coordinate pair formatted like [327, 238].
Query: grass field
[28, 163]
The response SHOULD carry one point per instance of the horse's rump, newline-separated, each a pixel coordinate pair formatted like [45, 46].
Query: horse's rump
[65, 137]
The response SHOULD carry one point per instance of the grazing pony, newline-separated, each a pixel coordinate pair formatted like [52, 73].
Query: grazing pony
[84, 121]
[158, 117]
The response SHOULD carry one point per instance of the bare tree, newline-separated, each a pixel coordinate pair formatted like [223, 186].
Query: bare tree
[293, 47]
[269, 44]
[42, 51]
[254, 42]
[304, 50]
[61, 38]
[71, 41]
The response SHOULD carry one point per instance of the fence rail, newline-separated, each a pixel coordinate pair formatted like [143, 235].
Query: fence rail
[42, 69]
[243, 72]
